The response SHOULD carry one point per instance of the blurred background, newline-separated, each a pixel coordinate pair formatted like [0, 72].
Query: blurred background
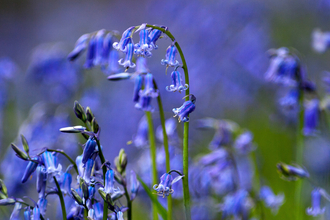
[225, 44]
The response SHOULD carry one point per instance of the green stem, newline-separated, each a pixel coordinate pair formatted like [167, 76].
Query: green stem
[166, 149]
[67, 156]
[60, 195]
[186, 195]
[299, 154]
[129, 204]
[104, 169]
[152, 141]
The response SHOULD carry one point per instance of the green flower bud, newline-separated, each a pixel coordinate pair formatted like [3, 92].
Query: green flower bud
[25, 144]
[7, 201]
[3, 188]
[79, 111]
[76, 197]
[19, 152]
[89, 114]
[95, 126]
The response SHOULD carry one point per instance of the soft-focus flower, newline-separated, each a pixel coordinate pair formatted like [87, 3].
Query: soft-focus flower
[80, 47]
[42, 204]
[128, 58]
[134, 185]
[137, 87]
[66, 183]
[143, 47]
[88, 170]
[164, 188]
[187, 108]
[177, 84]
[125, 40]
[290, 100]
[27, 213]
[311, 117]
[237, 205]
[284, 68]
[149, 89]
[91, 52]
[141, 137]
[320, 40]
[170, 57]
[243, 143]
[15, 214]
[170, 127]
[41, 180]
[271, 200]
[316, 209]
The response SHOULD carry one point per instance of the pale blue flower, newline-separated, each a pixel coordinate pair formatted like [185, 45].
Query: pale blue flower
[128, 58]
[271, 200]
[125, 40]
[170, 57]
[143, 48]
[177, 84]
[316, 209]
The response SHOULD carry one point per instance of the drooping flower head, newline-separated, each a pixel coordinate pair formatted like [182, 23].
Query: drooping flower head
[41, 180]
[134, 185]
[184, 111]
[91, 52]
[177, 84]
[141, 137]
[89, 149]
[80, 47]
[147, 94]
[316, 209]
[170, 57]
[237, 205]
[30, 168]
[154, 35]
[50, 161]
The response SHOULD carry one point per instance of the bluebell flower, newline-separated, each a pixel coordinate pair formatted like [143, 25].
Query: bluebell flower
[184, 111]
[177, 84]
[140, 139]
[290, 172]
[36, 213]
[89, 149]
[41, 180]
[80, 47]
[127, 63]
[144, 104]
[80, 165]
[98, 210]
[284, 68]
[137, 87]
[134, 185]
[27, 213]
[66, 183]
[49, 159]
[290, 100]
[237, 205]
[149, 89]
[154, 35]
[91, 214]
[316, 209]
[15, 214]
[91, 52]
[109, 182]
[320, 40]
[100, 50]
[119, 215]
[30, 168]
[125, 40]
[42, 204]
[164, 188]
[170, 57]
[311, 117]
[106, 49]
[88, 171]
[170, 127]
[271, 200]
[113, 65]
[243, 143]
[75, 212]
[143, 47]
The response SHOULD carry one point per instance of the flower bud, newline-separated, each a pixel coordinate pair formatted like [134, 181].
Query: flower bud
[95, 126]
[7, 201]
[19, 152]
[89, 114]
[76, 197]
[25, 144]
[121, 161]
[79, 111]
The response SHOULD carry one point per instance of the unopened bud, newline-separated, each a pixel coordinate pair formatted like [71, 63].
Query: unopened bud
[79, 111]
[19, 152]
[89, 114]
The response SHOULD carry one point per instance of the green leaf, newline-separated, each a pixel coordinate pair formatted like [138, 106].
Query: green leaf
[161, 210]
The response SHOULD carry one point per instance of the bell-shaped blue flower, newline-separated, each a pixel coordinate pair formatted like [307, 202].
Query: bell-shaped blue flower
[36, 213]
[80, 47]
[134, 185]
[41, 180]
[237, 205]
[66, 183]
[184, 111]
[143, 47]
[80, 165]
[311, 117]
[177, 84]
[109, 182]
[89, 149]
[30, 168]
[170, 57]
[99, 47]
[154, 35]
[316, 209]
[164, 188]
[271, 200]
[15, 214]
[127, 63]
[42, 204]
[88, 171]
[50, 161]
[125, 39]
[91, 53]
[149, 89]
[98, 208]
[243, 143]
[137, 87]
[144, 104]
[141, 65]
[27, 213]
